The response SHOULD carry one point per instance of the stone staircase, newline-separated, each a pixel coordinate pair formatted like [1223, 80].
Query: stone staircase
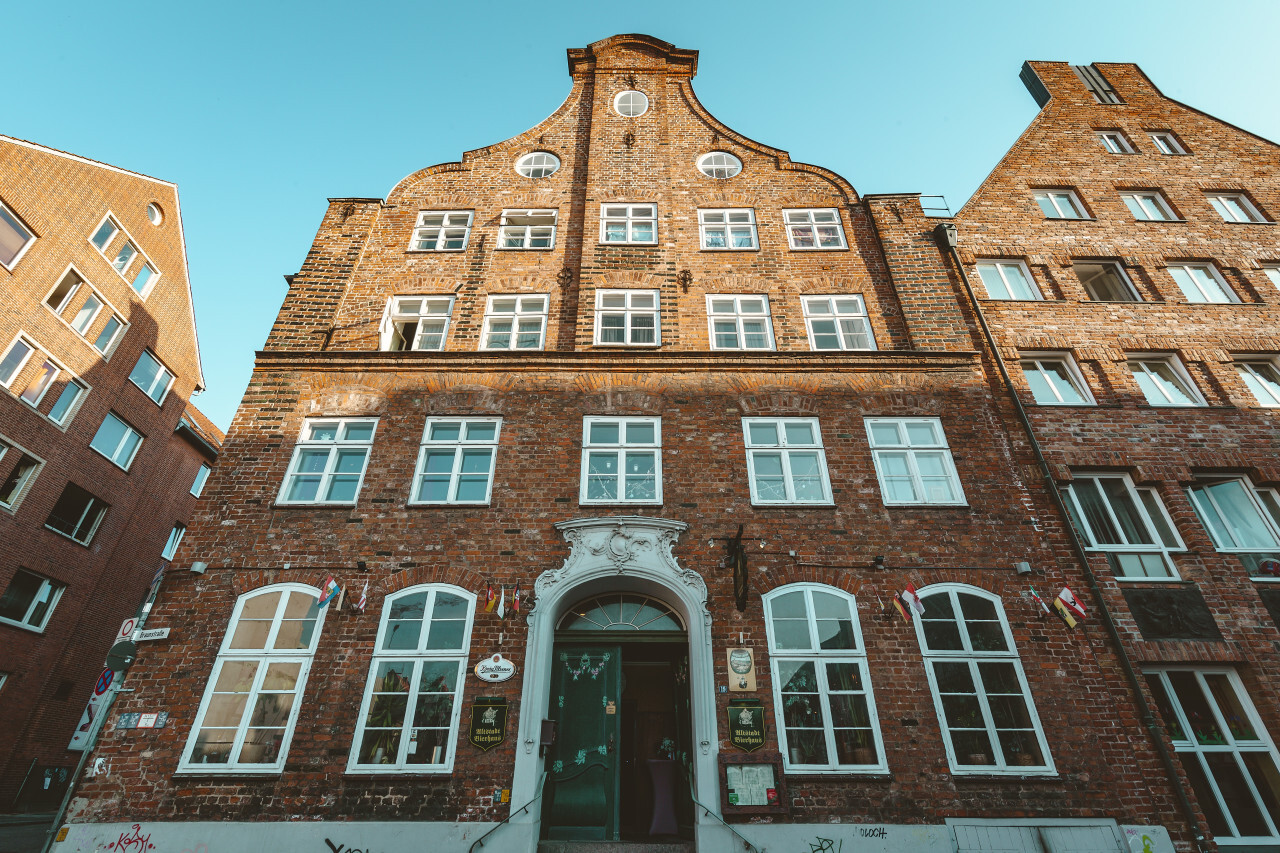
[674, 845]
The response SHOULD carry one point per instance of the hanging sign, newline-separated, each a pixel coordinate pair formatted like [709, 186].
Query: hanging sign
[746, 724]
[742, 670]
[488, 723]
[495, 668]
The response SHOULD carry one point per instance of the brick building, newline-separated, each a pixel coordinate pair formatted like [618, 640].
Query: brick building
[714, 420]
[100, 449]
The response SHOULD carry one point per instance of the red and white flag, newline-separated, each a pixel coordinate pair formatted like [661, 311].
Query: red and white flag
[502, 604]
[328, 590]
[515, 600]
[364, 598]
[1069, 601]
[489, 598]
[1035, 596]
[911, 597]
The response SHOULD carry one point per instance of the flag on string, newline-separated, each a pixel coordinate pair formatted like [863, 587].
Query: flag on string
[1064, 612]
[364, 598]
[502, 604]
[1069, 601]
[903, 610]
[342, 596]
[1035, 596]
[515, 600]
[328, 590]
[489, 598]
[911, 597]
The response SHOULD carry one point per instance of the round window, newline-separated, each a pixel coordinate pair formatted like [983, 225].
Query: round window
[539, 164]
[155, 214]
[631, 103]
[719, 164]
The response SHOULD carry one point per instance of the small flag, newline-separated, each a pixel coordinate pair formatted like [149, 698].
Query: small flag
[328, 590]
[489, 598]
[913, 598]
[364, 597]
[1064, 612]
[1069, 600]
[903, 610]
[502, 604]
[342, 596]
[1035, 596]
[515, 602]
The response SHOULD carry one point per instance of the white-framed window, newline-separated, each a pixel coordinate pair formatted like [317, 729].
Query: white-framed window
[15, 358]
[1105, 281]
[1272, 272]
[456, 461]
[728, 229]
[1240, 517]
[117, 441]
[32, 382]
[416, 323]
[202, 476]
[627, 318]
[155, 215]
[77, 514]
[124, 257]
[1127, 523]
[152, 377]
[515, 322]
[441, 231]
[988, 719]
[1166, 142]
[1164, 381]
[786, 463]
[1235, 207]
[175, 539]
[1055, 379]
[1262, 378]
[837, 323]
[79, 305]
[1007, 280]
[329, 461]
[1201, 283]
[143, 279]
[1115, 141]
[413, 700]
[247, 715]
[1148, 206]
[106, 231]
[631, 103]
[68, 401]
[719, 165]
[822, 696]
[15, 237]
[621, 460]
[539, 164]
[814, 229]
[527, 229]
[29, 599]
[629, 223]
[20, 469]
[1225, 750]
[913, 461]
[1060, 204]
[40, 382]
[739, 322]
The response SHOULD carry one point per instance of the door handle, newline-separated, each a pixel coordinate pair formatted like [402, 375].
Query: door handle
[610, 746]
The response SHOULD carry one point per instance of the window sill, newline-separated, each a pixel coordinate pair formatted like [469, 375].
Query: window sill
[819, 249]
[1064, 405]
[209, 770]
[1119, 301]
[1225, 222]
[1146, 581]
[310, 505]
[874, 774]
[1071, 219]
[435, 251]
[650, 244]
[68, 536]
[990, 775]
[23, 625]
[794, 504]
[628, 346]
[926, 505]
[582, 502]
[401, 773]
[442, 504]
[729, 249]
[1162, 221]
[525, 249]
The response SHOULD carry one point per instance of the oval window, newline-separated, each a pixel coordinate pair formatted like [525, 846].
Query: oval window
[631, 103]
[719, 164]
[155, 214]
[539, 164]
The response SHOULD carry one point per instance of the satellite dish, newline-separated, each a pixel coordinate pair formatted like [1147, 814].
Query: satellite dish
[122, 655]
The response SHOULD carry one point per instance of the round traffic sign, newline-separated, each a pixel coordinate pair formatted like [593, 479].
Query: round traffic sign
[104, 682]
[122, 655]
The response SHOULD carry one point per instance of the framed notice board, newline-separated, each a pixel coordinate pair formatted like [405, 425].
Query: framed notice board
[753, 784]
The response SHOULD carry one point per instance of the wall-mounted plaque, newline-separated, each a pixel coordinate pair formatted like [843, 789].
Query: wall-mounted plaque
[746, 724]
[1172, 614]
[753, 784]
[495, 668]
[488, 723]
[742, 670]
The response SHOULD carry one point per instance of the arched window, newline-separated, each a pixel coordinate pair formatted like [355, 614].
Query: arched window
[621, 612]
[409, 716]
[984, 706]
[249, 709]
[821, 690]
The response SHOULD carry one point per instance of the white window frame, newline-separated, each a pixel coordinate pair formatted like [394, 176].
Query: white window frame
[1190, 270]
[461, 447]
[14, 219]
[32, 349]
[738, 317]
[263, 657]
[628, 312]
[516, 316]
[527, 233]
[155, 382]
[812, 307]
[999, 267]
[713, 163]
[1264, 502]
[1064, 203]
[115, 232]
[335, 447]
[60, 371]
[175, 539]
[1272, 272]
[1235, 208]
[911, 452]
[632, 214]
[1074, 377]
[784, 450]
[445, 231]
[1131, 561]
[418, 657]
[1262, 377]
[1166, 143]
[1189, 749]
[629, 95]
[122, 455]
[202, 477]
[23, 485]
[104, 306]
[1141, 364]
[974, 657]
[745, 221]
[95, 503]
[395, 316]
[1149, 206]
[814, 219]
[1115, 141]
[620, 450]
[138, 254]
[537, 164]
[1116, 268]
[48, 595]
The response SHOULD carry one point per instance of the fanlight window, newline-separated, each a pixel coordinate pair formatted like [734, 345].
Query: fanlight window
[621, 612]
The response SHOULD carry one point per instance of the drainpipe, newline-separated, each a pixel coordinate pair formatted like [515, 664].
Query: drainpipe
[948, 238]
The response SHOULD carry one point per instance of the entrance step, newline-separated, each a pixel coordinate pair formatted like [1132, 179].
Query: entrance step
[675, 845]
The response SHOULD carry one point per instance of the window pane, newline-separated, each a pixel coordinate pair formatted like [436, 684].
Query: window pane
[763, 434]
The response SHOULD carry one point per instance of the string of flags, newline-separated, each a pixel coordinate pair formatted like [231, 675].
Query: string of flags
[331, 591]
[498, 600]
[907, 603]
[1068, 608]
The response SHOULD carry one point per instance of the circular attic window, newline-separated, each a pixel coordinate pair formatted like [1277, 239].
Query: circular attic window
[631, 103]
[155, 214]
[539, 164]
[719, 164]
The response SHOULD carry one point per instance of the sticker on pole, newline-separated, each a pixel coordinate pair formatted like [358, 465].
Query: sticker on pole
[80, 739]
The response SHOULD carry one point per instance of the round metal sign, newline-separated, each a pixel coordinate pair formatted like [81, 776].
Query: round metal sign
[495, 668]
[122, 655]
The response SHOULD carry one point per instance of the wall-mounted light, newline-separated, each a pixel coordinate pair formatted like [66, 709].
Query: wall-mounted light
[1023, 567]
[878, 561]
[199, 567]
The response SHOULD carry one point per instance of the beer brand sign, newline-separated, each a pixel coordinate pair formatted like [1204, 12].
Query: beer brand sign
[488, 723]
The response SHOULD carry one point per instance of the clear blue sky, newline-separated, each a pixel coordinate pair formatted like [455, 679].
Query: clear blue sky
[260, 111]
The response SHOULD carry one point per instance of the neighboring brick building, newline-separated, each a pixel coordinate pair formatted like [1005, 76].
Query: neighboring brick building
[576, 364]
[1125, 256]
[99, 446]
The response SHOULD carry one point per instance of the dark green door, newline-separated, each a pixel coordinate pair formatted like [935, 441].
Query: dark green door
[581, 795]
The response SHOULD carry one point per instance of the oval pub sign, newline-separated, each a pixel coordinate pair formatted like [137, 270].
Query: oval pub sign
[495, 668]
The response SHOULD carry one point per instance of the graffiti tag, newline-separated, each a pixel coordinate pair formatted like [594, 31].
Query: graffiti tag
[338, 848]
[132, 843]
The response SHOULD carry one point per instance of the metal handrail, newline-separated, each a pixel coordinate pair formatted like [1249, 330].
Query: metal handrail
[745, 843]
[480, 841]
